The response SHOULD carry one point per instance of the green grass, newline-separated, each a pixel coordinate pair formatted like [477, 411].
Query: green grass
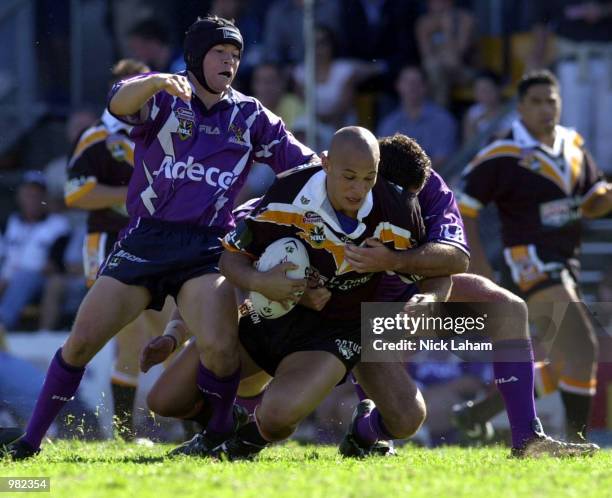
[129, 471]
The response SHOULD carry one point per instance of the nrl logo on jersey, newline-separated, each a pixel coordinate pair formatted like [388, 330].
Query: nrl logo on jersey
[317, 234]
[116, 145]
[529, 160]
[186, 119]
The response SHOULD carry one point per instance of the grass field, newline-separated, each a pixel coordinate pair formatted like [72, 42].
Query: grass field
[127, 470]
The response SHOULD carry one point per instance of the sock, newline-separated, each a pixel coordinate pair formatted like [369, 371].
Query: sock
[370, 428]
[513, 370]
[123, 399]
[577, 413]
[250, 402]
[220, 395]
[61, 384]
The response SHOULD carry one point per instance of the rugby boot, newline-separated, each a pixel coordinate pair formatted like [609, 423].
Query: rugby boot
[18, 450]
[541, 445]
[350, 447]
[202, 443]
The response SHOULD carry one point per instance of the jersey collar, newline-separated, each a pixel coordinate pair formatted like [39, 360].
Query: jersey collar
[112, 124]
[313, 197]
[526, 141]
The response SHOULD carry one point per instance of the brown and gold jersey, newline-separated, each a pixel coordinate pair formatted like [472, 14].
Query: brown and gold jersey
[103, 155]
[297, 206]
[538, 190]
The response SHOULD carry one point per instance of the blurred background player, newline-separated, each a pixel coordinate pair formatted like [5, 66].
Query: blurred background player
[98, 174]
[543, 181]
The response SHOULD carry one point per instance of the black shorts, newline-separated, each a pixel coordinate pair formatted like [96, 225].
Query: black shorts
[303, 329]
[162, 256]
[528, 269]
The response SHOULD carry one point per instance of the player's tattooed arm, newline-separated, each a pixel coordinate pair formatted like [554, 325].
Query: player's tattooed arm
[135, 93]
[432, 259]
[238, 268]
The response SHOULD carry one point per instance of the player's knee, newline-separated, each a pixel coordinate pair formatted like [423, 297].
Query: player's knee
[155, 402]
[277, 423]
[407, 421]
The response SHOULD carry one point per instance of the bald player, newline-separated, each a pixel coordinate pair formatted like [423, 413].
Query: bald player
[309, 352]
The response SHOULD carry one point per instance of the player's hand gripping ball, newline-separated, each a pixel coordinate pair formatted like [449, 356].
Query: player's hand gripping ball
[286, 250]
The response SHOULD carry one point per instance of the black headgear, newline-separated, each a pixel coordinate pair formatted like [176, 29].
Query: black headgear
[203, 35]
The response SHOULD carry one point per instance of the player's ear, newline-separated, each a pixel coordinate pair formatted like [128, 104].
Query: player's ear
[325, 161]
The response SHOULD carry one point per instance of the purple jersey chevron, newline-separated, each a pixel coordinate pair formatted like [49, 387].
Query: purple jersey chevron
[190, 162]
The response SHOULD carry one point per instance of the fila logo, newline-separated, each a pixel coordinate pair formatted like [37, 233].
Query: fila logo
[506, 381]
[209, 130]
[61, 398]
[195, 172]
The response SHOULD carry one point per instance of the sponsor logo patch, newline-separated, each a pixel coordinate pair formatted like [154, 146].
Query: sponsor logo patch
[347, 348]
[186, 119]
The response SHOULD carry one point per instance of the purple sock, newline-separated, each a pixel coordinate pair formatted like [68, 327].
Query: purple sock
[360, 392]
[370, 428]
[251, 402]
[220, 394]
[61, 383]
[513, 371]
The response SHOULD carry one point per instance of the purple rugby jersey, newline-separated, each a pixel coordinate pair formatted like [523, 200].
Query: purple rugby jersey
[443, 224]
[190, 162]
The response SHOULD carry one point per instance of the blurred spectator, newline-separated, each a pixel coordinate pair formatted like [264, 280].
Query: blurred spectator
[444, 381]
[485, 115]
[445, 34]
[269, 86]
[336, 80]
[250, 23]
[20, 383]
[55, 170]
[584, 67]
[429, 124]
[121, 15]
[64, 285]
[380, 31]
[283, 37]
[323, 133]
[149, 41]
[28, 239]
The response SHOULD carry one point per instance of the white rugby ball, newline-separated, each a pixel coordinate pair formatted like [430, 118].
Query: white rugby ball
[285, 250]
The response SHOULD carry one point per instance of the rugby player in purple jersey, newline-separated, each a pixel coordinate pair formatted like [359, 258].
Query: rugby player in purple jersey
[308, 352]
[513, 355]
[402, 405]
[195, 140]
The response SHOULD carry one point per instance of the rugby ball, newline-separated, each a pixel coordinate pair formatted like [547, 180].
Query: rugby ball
[285, 250]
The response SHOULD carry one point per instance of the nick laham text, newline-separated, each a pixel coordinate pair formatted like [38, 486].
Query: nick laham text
[431, 345]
